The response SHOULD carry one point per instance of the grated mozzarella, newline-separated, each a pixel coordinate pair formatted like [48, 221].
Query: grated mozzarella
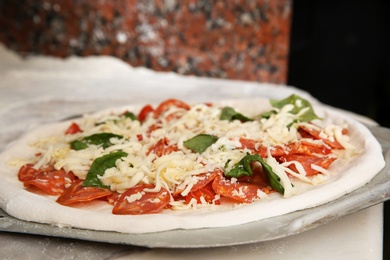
[180, 170]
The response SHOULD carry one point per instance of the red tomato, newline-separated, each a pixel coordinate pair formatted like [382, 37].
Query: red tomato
[238, 191]
[165, 105]
[73, 129]
[145, 111]
[47, 179]
[307, 161]
[148, 203]
[78, 193]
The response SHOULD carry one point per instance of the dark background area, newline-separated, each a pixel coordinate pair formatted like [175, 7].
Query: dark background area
[339, 52]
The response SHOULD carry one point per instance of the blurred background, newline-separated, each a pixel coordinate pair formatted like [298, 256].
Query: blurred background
[336, 50]
[339, 52]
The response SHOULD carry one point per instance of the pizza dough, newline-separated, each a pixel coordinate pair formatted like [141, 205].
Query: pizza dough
[25, 205]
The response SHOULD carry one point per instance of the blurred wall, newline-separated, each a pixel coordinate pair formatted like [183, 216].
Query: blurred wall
[238, 39]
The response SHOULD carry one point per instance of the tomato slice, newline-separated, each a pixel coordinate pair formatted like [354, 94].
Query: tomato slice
[307, 161]
[145, 111]
[78, 193]
[47, 179]
[73, 129]
[165, 105]
[238, 191]
[143, 202]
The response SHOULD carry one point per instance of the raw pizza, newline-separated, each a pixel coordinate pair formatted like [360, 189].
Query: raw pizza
[178, 165]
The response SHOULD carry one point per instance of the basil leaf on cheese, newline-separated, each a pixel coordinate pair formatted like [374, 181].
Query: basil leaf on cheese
[78, 145]
[268, 114]
[228, 113]
[243, 167]
[299, 104]
[99, 166]
[119, 118]
[131, 115]
[102, 139]
[200, 143]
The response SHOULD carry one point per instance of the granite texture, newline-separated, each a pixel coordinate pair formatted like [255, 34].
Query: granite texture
[245, 40]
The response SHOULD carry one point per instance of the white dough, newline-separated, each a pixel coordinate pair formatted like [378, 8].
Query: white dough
[18, 202]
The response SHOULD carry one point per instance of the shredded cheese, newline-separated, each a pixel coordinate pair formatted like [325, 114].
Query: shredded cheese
[181, 169]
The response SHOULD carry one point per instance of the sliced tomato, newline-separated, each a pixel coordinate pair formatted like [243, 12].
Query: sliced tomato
[73, 129]
[317, 135]
[162, 147]
[145, 111]
[306, 162]
[47, 179]
[206, 192]
[165, 105]
[143, 203]
[77, 193]
[238, 191]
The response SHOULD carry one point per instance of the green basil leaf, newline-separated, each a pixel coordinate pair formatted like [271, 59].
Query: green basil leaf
[99, 166]
[268, 114]
[131, 115]
[243, 167]
[294, 99]
[228, 113]
[78, 145]
[273, 179]
[200, 143]
[102, 139]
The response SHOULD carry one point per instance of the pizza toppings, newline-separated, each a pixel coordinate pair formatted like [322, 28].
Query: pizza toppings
[180, 156]
[137, 200]
[78, 192]
[47, 179]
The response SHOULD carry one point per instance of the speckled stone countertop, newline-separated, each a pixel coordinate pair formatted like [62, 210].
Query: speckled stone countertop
[245, 40]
